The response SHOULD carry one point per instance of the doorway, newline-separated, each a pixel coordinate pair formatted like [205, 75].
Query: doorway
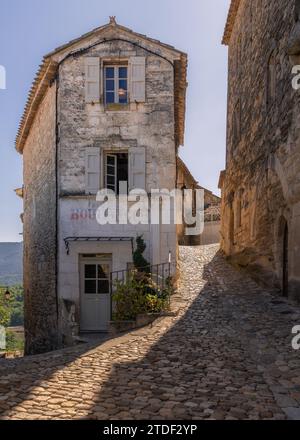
[95, 293]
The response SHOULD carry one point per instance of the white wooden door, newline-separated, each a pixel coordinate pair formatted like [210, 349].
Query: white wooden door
[95, 295]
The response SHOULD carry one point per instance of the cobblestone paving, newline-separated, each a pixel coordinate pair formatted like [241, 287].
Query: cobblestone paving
[227, 355]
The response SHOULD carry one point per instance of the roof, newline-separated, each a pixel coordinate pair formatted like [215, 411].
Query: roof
[222, 178]
[186, 170]
[49, 67]
[20, 192]
[233, 10]
[188, 173]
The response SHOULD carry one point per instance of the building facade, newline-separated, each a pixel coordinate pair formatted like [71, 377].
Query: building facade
[105, 108]
[261, 184]
[212, 203]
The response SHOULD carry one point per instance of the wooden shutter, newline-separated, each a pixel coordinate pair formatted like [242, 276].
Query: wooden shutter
[137, 168]
[92, 79]
[92, 170]
[138, 79]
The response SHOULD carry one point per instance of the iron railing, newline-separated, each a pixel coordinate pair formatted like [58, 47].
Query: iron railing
[160, 274]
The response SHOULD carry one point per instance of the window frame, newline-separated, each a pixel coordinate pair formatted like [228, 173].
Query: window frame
[116, 79]
[112, 153]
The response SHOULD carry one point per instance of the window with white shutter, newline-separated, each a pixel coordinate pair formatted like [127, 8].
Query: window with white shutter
[138, 79]
[92, 170]
[137, 168]
[92, 79]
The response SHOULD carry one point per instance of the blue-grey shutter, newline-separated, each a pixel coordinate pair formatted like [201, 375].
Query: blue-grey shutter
[92, 79]
[137, 79]
[92, 170]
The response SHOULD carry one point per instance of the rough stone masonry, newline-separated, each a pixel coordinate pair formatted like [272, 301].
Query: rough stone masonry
[261, 185]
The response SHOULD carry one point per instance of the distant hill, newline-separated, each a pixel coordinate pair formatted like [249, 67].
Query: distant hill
[11, 264]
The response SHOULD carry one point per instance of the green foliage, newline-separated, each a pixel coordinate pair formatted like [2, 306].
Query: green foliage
[17, 306]
[4, 314]
[138, 295]
[14, 342]
[11, 311]
[140, 263]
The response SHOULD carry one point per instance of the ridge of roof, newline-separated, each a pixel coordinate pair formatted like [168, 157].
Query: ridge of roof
[48, 68]
[112, 24]
[233, 10]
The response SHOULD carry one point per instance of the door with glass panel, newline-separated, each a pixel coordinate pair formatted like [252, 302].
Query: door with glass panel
[95, 295]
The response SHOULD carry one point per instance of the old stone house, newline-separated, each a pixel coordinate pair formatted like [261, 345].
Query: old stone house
[106, 107]
[211, 233]
[261, 184]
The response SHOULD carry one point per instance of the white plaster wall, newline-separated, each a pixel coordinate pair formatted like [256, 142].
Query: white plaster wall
[77, 219]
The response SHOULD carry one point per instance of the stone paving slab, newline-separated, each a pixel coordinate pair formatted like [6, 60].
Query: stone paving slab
[227, 355]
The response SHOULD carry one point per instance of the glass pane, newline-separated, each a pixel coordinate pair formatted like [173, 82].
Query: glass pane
[122, 72]
[110, 85]
[111, 171]
[123, 99]
[90, 271]
[90, 287]
[112, 187]
[111, 160]
[110, 98]
[123, 84]
[103, 286]
[110, 72]
[111, 180]
[103, 271]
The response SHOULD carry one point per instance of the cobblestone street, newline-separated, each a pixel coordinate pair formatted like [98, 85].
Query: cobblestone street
[227, 355]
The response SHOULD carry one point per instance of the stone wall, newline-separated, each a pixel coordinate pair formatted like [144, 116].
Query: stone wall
[41, 321]
[149, 124]
[261, 189]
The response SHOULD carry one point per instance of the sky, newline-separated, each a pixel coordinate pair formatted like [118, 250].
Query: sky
[32, 28]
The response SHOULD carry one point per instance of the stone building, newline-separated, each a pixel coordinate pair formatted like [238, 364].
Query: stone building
[261, 184]
[106, 107]
[211, 233]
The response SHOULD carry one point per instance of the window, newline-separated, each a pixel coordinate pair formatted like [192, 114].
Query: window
[116, 84]
[96, 279]
[116, 170]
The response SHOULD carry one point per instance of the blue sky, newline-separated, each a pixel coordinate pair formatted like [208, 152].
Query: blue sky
[29, 29]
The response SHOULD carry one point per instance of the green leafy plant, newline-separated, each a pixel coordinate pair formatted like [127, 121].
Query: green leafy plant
[138, 296]
[17, 306]
[5, 311]
[12, 309]
[14, 342]
[4, 315]
[140, 263]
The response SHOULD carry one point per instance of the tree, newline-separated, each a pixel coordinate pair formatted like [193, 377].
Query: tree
[140, 263]
[4, 312]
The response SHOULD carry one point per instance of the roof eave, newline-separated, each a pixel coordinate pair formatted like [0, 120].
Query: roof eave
[232, 14]
[45, 75]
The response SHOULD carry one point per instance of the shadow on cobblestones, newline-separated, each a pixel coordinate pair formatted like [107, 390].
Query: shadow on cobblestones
[226, 356]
